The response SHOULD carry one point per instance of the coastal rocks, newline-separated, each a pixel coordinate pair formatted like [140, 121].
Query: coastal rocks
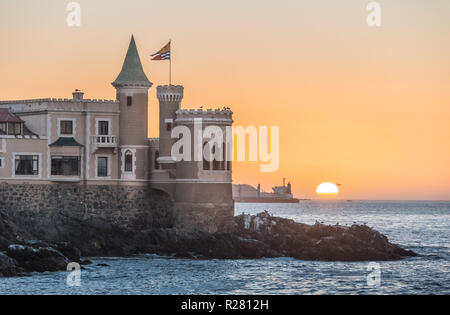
[319, 241]
[64, 239]
[201, 245]
[38, 259]
[68, 250]
[10, 231]
[8, 266]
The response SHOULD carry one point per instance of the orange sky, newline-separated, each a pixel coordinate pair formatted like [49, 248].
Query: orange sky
[368, 108]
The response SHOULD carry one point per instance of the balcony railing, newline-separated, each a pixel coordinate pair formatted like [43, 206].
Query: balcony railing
[104, 141]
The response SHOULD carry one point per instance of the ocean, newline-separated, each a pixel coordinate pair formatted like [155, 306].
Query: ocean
[421, 226]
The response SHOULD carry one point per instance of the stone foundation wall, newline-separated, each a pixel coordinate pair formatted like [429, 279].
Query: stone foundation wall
[136, 207]
[207, 217]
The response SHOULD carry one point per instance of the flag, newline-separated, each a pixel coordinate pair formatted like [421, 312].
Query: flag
[163, 53]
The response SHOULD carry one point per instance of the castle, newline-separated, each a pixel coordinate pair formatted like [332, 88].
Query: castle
[94, 157]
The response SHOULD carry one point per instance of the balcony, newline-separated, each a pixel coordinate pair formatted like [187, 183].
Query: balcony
[104, 141]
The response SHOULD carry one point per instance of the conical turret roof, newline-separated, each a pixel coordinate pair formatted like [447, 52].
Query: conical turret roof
[132, 72]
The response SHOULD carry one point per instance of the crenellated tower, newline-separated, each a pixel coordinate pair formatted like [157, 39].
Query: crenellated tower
[203, 192]
[170, 97]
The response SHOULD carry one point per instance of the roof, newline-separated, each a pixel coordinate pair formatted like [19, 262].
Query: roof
[66, 142]
[132, 72]
[7, 116]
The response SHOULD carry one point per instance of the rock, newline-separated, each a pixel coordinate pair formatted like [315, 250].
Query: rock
[10, 232]
[65, 239]
[38, 259]
[85, 262]
[66, 248]
[8, 266]
[71, 252]
[319, 241]
[190, 244]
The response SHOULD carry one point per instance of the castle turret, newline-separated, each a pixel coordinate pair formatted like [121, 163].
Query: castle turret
[203, 194]
[132, 93]
[169, 97]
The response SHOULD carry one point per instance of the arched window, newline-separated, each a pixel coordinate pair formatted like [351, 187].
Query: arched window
[128, 161]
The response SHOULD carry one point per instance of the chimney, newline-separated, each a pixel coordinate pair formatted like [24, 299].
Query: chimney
[77, 95]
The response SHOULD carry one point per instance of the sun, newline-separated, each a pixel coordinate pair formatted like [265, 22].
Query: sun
[327, 189]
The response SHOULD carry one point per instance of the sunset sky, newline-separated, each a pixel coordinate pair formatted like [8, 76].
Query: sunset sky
[365, 107]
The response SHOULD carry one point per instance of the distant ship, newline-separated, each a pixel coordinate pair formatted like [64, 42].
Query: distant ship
[280, 194]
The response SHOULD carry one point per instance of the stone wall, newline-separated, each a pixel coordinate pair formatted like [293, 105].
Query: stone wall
[208, 217]
[135, 207]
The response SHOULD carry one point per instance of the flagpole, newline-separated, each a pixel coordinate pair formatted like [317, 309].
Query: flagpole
[170, 63]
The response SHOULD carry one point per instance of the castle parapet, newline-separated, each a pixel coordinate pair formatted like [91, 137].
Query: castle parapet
[211, 116]
[153, 142]
[170, 93]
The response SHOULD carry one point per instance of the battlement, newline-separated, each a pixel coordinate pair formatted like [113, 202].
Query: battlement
[153, 142]
[37, 100]
[97, 101]
[209, 116]
[195, 112]
[58, 100]
[170, 93]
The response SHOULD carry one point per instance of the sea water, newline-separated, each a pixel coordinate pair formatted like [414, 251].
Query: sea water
[421, 226]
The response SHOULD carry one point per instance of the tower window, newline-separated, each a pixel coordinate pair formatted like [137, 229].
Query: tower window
[224, 158]
[128, 161]
[129, 100]
[206, 163]
[156, 160]
[216, 163]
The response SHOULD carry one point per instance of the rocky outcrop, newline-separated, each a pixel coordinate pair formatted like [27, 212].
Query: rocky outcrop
[38, 259]
[200, 245]
[10, 232]
[8, 266]
[65, 239]
[319, 241]
[37, 256]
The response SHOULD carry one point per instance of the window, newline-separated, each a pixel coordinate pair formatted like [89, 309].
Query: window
[216, 163]
[168, 126]
[103, 127]
[27, 165]
[102, 167]
[129, 100]
[156, 160]
[66, 165]
[66, 127]
[128, 161]
[224, 157]
[206, 163]
[14, 128]
[1, 162]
